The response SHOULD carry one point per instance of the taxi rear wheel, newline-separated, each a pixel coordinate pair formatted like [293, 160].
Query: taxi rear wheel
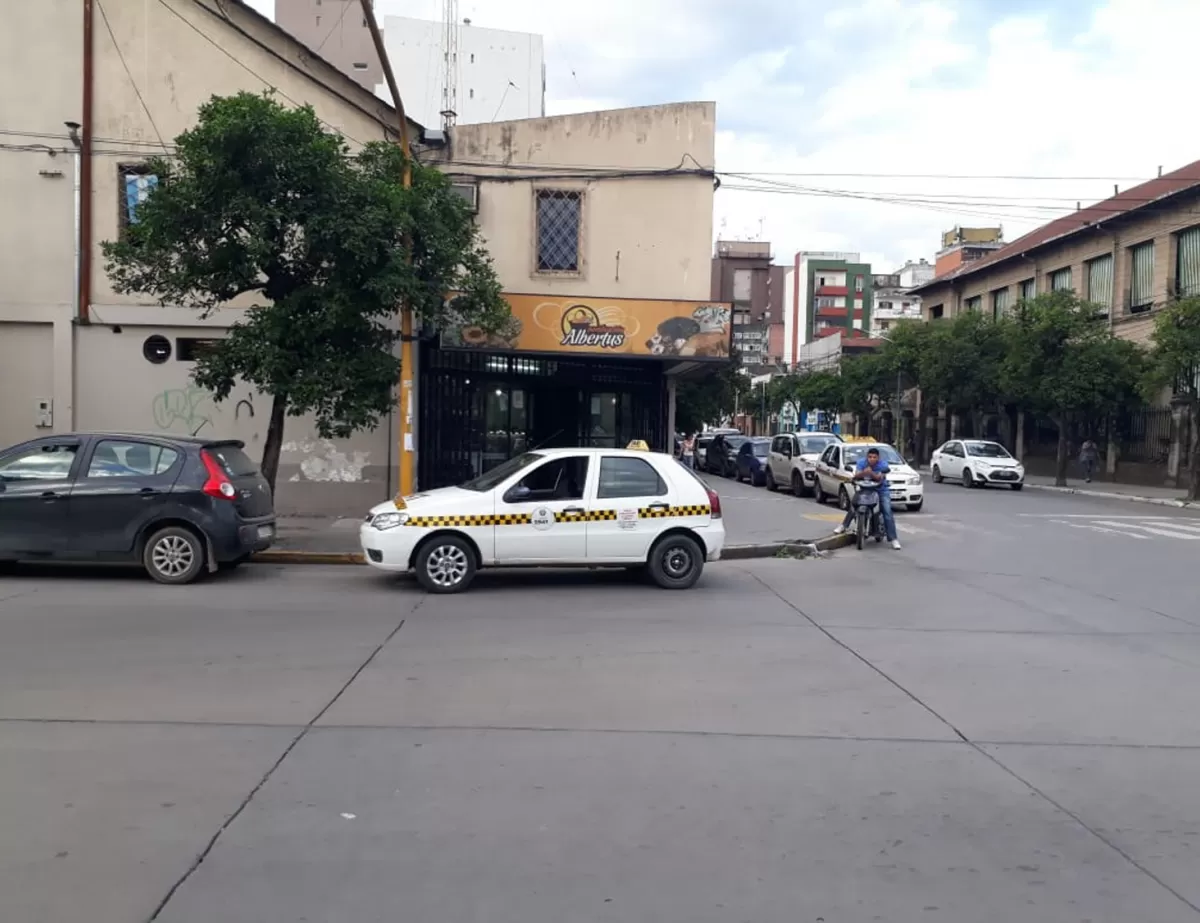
[445, 564]
[676, 561]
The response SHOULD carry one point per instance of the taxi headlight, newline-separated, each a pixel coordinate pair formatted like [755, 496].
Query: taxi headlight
[915, 479]
[385, 521]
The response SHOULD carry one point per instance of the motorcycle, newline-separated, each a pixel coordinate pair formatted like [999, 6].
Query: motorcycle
[868, 519]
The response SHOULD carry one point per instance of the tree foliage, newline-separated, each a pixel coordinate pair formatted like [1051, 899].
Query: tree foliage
[707, 400]
[1175, 364]
[259, 200]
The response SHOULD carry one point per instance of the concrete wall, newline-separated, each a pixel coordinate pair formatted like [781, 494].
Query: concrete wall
[642, 237]
[97, 375]
[336, 28]
[1160, 223]
[500, 76]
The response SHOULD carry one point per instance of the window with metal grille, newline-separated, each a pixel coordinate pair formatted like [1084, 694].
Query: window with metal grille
[999, 302]
[1100, 281]
[558, 229]
[1060, 280]
[1027, 290]
[1141, 276]
[1187, 263]
[136, 184]
[974, 303]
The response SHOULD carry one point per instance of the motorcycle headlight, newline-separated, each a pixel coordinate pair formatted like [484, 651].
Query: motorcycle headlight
[385, 521]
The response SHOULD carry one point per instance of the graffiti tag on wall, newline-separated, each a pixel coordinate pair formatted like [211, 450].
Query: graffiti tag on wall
[182, 410]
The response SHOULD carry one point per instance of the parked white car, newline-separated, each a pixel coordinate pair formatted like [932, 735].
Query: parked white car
[792, 463]
[835, 471]
[553, 507]
[976, 463]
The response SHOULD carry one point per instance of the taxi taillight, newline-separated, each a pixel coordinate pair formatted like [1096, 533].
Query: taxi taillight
[714, 503]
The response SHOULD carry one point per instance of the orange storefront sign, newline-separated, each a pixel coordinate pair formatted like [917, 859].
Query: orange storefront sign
[605, 327]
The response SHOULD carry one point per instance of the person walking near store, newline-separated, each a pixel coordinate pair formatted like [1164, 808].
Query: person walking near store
[1089, 459]
[688, 451]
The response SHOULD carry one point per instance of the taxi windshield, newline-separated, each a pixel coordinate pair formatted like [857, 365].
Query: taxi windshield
[501, 473]
[886, 452]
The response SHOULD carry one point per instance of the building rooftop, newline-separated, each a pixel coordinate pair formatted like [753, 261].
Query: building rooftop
[1135, 198]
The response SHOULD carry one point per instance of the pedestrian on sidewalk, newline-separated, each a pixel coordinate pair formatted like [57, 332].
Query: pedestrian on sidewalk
[1089, 458]
[688, 451]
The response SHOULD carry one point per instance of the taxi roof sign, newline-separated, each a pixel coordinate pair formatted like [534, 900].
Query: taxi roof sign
[638, 445]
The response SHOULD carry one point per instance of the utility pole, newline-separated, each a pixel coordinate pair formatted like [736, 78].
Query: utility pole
[449, 63]
[405, 415]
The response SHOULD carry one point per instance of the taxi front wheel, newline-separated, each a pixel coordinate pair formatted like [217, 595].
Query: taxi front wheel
[445, 565]
[676, 561]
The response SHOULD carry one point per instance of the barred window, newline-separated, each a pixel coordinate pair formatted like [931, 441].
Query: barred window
[1187, 263]
[1141, 277]
[1060, 280]
[559, 213]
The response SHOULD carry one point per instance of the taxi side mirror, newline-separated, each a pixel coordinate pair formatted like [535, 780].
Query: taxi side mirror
[517, 493]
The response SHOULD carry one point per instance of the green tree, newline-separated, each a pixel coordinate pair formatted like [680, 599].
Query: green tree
[259, 199]
[865, 384]
[1175, 364]
[821, 390]
[704, 401]
[1064, 363]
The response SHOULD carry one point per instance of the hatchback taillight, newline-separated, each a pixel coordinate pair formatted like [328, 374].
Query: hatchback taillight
[218, 484]
[714, 503]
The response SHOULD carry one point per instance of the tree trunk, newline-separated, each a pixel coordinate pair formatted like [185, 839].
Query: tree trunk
[274, 441]
[1193, 491]
[1060, 459]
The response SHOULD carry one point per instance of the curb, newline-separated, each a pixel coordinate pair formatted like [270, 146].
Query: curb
[798, 548]
[1110, 495]
[284, 556]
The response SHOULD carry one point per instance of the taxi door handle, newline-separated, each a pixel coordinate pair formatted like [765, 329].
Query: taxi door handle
[574, 509]
[659, 505]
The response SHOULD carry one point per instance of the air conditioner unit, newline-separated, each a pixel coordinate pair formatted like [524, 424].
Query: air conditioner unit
[469, 192]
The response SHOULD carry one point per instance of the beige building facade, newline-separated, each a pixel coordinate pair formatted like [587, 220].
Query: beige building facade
[599, 225]
[74, 354]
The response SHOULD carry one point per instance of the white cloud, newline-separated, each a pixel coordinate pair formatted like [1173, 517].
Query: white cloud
[1072, 89]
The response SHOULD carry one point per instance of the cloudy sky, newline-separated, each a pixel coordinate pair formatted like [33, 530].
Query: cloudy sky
[837, 106]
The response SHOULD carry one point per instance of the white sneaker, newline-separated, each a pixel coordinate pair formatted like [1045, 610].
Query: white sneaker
[896, 543]
[839, 530]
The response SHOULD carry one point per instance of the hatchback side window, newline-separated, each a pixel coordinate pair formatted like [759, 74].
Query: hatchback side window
[47, 462]
[557, 479]
[629, 477]
[122, 459]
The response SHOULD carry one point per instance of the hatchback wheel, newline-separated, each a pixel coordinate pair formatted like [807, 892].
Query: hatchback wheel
[770, 480]
[676, 562]
[819, 492]
[797, 484]
[967, 479]
[174, 555]
[937, 474]
[843, 499]
[446, 565]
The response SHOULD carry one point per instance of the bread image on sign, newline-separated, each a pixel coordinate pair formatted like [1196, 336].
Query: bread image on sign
[704, 333]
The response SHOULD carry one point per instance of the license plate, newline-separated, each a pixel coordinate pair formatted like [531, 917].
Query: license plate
[266, 531]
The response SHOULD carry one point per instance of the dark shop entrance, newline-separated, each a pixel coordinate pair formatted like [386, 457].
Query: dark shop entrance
[478, 409]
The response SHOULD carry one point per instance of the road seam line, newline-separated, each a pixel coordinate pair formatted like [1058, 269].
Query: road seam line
[211, 845]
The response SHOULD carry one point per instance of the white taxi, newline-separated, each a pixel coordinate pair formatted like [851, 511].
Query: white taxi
[835, 471]
[553, 507]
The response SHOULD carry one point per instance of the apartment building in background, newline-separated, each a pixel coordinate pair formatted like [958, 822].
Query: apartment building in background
[338, 32]
[965, 245]
[893, 300]
[743, 274]
[831, 292]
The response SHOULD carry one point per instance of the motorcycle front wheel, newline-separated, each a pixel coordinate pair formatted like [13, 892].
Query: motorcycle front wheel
[861, 529]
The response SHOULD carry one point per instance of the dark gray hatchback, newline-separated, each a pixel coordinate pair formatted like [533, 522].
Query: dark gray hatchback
[180, 506]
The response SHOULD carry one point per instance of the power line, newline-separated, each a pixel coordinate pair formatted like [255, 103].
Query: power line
[242, 64]
[329, 34]
[129, 73]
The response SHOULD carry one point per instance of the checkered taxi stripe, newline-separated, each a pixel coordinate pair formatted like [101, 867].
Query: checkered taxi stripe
[524, 519]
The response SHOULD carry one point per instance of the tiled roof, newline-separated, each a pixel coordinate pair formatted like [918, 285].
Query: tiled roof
[1132, 199]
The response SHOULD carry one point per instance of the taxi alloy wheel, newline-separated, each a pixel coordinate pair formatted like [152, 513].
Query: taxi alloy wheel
[446, 565]
[676, 562]
[843, 499]
[818, 492]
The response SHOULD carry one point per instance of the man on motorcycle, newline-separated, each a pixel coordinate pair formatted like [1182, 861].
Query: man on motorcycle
[872, 467]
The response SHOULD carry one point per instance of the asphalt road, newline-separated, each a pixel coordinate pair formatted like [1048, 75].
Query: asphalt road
[996, 723]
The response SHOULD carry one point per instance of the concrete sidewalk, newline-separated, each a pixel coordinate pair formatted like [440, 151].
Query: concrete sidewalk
[1135, 493]
[752, 515]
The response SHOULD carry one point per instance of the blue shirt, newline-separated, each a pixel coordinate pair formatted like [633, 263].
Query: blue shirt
[880, 467]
